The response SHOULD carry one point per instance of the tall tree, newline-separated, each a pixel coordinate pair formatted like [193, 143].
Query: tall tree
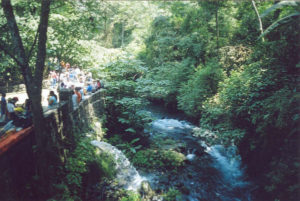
[33, 77]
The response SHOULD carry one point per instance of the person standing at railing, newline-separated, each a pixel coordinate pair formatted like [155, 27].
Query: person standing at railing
[52, 99]
[74, 100]
[3, 106]
[79, 97]
[11, 108]
[89, 88]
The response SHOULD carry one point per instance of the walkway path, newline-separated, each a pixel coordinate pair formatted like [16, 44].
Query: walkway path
[22, 96]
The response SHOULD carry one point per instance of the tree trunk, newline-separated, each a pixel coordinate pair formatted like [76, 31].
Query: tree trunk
[259, 20]
[122, 36]
[33, 83]
[217, 24]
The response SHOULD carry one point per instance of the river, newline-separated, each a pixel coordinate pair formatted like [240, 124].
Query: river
[212, 173]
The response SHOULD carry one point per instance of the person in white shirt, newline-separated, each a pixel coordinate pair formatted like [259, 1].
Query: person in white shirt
[77, 71]
[11, 108]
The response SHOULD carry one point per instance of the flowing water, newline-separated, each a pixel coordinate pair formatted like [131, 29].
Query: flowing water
[211, 173]
[127, 176]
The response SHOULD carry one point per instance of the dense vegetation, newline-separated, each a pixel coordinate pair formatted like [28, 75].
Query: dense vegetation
[212, 62]
[209, 59]
[230, 80]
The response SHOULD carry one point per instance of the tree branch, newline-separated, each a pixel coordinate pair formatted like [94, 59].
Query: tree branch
[34, 42]
[42, 39]
[3, 46]
[17, 45]
[259, 19]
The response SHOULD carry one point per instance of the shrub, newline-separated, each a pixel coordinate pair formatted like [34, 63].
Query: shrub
[172, 195]
[202, 85]
[158, 159]
[131, 196]
[164, 82]
[77, 166]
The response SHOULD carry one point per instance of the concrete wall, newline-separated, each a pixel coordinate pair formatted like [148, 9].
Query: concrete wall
[64, 124]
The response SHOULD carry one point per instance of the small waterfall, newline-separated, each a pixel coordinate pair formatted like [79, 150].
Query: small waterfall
[229, 163]
[127, 176]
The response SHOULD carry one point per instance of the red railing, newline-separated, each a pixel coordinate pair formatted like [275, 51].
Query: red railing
[11, 139]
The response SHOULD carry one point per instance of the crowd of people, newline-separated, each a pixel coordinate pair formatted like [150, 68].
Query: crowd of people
[13, 116]
[80, 82]
[73, 78]
[11, 111]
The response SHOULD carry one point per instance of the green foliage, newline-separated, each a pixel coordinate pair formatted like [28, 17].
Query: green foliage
[278, 179]
[125, 68]
[247, 95]
[151, 159]
[162, 141]
[124, 106]
[278, 5]
[132, 196]
[247, 30]
[77, 166]
[160, 86]
[8, 73]
[106, 164]
[202, 85]
[130, 115]
[202, 57]
[166, 82]
[233, 57]
[172, 195]
[283, 20]
[257, 100]
[129, 148]
[27, 17]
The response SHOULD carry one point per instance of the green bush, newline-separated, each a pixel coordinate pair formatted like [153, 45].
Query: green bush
[172, 195]
[124, 105]
[77, 166]
[158, 159]
[261, 101]
[164, 82]
[128, 148]
[201, 86]
[131, 196]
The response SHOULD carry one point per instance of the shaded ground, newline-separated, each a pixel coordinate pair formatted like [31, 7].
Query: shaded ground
[22, 96]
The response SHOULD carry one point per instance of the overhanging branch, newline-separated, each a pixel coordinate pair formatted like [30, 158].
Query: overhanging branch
[16, 41]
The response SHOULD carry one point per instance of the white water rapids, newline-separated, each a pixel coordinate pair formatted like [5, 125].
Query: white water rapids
[229, 184]
[217, 175]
